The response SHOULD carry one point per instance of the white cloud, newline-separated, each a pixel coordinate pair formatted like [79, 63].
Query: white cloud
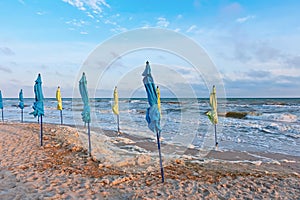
[95, 5]
[162, 22]
[6, 51]
[76, 3]
[244, 19]
[110, 22]
[192, 28]
[77, 23]
[22, 2]
[40, 13]
[293, 72]
[179, 16]
[177, 30]
[84, 33]
[5, 69]
[90, 15]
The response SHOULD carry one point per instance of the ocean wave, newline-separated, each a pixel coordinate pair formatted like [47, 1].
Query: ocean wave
[280, 117]
[135, 101]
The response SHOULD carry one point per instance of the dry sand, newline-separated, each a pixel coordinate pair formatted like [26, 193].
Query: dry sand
[61, 169]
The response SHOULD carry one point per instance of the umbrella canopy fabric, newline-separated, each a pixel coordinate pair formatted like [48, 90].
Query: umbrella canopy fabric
[152, 114]
[158, 100]
[58, 98]
[115, 107]
[38, 105]
[213, 114]
[21, 99]
[85, 98]
[1, 101]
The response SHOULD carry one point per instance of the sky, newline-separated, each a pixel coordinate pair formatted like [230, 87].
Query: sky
[254, 45]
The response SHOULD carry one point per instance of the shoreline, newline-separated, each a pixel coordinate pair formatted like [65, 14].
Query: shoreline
[61, 169]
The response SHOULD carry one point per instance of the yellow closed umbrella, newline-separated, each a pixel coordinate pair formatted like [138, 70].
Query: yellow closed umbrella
[213, 114]
[59, 103]
[158, 100]
[115, 107]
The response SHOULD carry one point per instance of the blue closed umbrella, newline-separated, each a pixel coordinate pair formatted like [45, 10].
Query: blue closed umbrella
[21, 103]
[86, 118]
[1, 105]
[152, 113]
[38, 105]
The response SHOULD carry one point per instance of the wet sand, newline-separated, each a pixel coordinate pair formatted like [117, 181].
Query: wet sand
[127, 167]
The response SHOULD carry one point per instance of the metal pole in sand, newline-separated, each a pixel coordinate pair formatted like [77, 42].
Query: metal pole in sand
[21, 115]
[118, 120]
[61, 117]
[41, 130]
[216, 135]
[89, 138]
[160, 159]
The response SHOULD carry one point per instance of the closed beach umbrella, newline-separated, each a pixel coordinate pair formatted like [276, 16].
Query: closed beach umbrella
[38, 105]
[158, 100]
[152, 113]
[1, 105]
[86, 118]
[115, 107]
[59, 103]
[21, 103]
[213, 114]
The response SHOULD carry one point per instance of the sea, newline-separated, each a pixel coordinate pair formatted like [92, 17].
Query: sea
[245, 124]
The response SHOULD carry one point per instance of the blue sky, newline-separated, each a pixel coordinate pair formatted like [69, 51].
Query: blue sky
[255, 44]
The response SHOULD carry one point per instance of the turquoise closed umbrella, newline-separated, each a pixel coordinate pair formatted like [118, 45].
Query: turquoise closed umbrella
[21, 103]
[86, 118]
[38, 105]
[1, 105]
[152, 113]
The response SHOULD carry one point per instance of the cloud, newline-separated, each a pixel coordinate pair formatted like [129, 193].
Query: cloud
[251, 75]
[40, 13]
[293, 61]
[162, 22]
[6, 51]
[244, 19]
[22, 2]
[194, 29]
[264, 83]
[90, 15]
[5, 69]
[84, 33]
[95, 5]
[191, 28]
[179, 16]
[258, 74]
[110, 22]
[118, 29]
[77, 23]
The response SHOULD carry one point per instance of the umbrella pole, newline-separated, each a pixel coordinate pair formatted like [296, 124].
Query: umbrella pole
[41, 130]
[216, 135]
[118, 120]
[160, 160]
[61, 117]
[21, 115]
[89, 135]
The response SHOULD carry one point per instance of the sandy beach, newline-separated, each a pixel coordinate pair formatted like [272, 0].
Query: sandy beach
[61, 169]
